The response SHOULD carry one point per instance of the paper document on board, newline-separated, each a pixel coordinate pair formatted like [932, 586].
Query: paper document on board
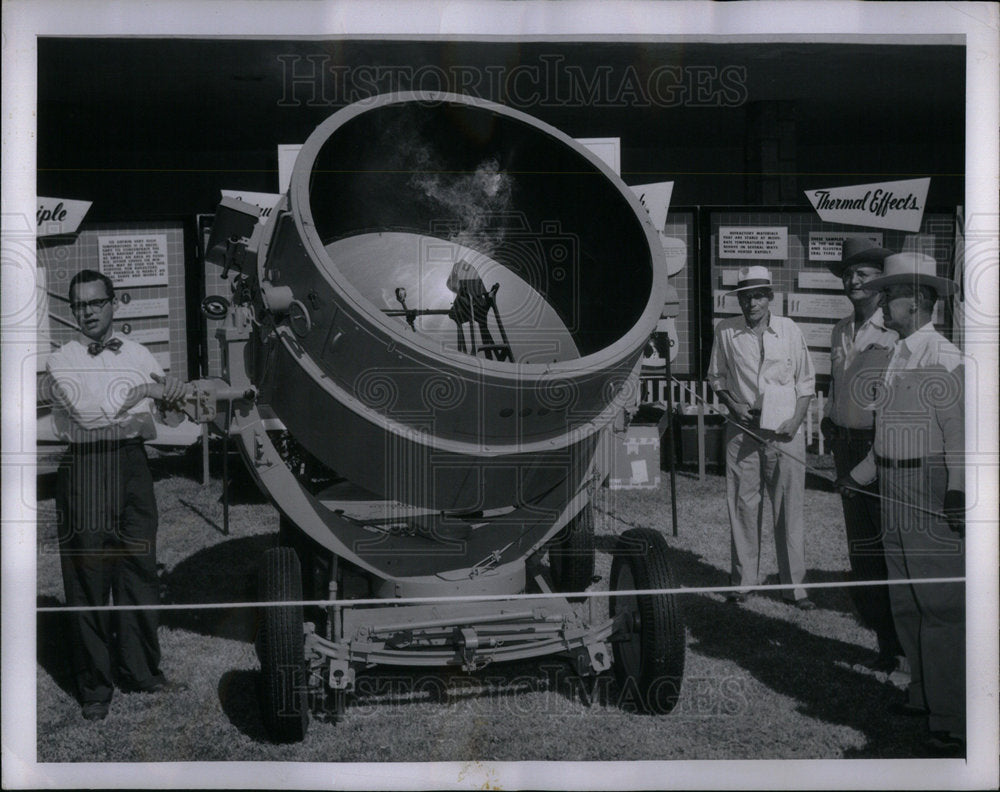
[777, 406]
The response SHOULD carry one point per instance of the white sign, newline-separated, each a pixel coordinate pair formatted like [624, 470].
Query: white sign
[607, 149]
[898, 204]
[287, 152]
[656, 198]
[676, 252]
[132, 309]
[827, 245]
[820, 279]
[745, 242]
[147, 335]
[263, 201]
[816, 335]
[59, 215]
[821, 362]
[729, 304]
[134, 260]
[819, 306]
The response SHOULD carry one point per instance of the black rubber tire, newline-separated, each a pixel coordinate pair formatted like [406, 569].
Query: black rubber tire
[572, 554]
[649, 655]
[281, 648]
[315, 560]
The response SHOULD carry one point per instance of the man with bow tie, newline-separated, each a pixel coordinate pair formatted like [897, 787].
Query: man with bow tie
[107, 395]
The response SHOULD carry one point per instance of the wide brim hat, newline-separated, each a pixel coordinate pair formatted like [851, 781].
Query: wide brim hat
[755, 277]
[917, 269]
[858, 250]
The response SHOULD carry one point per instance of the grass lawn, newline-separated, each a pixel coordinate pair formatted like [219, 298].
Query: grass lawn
[762, 680]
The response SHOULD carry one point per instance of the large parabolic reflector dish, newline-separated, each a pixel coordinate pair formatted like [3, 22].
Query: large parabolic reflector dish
[440, 198]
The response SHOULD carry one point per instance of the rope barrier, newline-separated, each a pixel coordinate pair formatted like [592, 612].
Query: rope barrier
[495, 597]
[541, 596]
[812, 469]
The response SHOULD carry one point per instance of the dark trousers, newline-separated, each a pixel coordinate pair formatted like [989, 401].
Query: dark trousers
[863, 523]
[107, 548]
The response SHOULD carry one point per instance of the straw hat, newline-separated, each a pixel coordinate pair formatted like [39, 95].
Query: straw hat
[752, 278]
[858, 250]
[917, 269]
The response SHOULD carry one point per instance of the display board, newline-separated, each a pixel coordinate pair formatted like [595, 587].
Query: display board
[145, 261]
[805, 289]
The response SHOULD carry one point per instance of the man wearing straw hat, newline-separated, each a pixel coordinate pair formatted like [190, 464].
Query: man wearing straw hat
[860, 346]
[917, 456]
[763, 373]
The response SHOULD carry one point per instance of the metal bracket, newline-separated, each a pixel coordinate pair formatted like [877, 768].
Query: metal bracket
[490, 562]
[236, 248]
[471, 661]
[592, 658]
[341, 676]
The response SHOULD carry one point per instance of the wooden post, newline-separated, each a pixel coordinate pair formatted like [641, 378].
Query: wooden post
[701, 435]
[669, 434]
[204, 455]
[819, 410]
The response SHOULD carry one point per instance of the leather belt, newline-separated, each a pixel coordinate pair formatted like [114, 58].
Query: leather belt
[844, 433]
[882, 461]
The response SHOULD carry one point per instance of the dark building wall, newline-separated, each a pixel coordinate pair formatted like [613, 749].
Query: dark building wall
[156, 127]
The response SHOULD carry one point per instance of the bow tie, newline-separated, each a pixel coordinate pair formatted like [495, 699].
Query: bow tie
[96, 347]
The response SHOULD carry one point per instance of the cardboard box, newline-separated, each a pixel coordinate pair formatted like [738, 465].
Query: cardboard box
[686, 440]
[636, 462]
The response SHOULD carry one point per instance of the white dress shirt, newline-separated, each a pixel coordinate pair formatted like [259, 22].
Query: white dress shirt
[858, 355]
[746, 364]
[89, 390]
[920, 411]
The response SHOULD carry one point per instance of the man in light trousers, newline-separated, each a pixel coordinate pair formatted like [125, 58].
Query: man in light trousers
[762, 371]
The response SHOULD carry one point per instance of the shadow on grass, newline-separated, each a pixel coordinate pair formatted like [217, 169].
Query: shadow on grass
[208, 520]
[225, 572]
[381, 689]
[813, 670]
[188, 464]
[45, 486]
[706, 575]
[239, 693]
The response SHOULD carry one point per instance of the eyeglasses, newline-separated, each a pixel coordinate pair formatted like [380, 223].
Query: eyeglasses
[94, 305]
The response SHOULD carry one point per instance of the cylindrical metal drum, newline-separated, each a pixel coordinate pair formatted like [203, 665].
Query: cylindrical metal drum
[419, 203]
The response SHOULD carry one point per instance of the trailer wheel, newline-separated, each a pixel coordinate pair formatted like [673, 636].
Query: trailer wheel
[571, 554]
[648, 648]
[281, 648]
[315, 563]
